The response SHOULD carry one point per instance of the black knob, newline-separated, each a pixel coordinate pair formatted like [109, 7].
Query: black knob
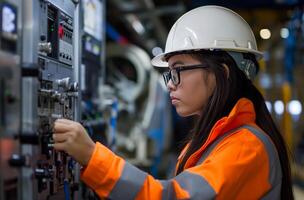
[42, 37]
[46, 145]
[10, 99]
[17, 161]
[42, 173]
[30, 70]
[28, 138]
[75, 187]
[40, 75]
[73, 87]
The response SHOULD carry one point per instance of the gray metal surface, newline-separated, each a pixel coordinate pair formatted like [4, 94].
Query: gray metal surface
[9, 104]
[49, 95]
[65, 5]
[76, 75]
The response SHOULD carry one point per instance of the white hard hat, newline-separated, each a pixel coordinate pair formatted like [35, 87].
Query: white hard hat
[210, 28]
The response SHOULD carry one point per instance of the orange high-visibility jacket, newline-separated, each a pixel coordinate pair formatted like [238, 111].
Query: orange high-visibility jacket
[237, 161]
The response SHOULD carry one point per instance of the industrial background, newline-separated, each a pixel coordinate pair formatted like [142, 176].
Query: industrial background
[89, 61]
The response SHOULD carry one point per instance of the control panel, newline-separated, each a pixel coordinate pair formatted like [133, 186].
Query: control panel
[56, 97]
[56, 38]
[65, 33]
[51, 86]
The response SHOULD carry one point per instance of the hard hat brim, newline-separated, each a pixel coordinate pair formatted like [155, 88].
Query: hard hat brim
[159, 60]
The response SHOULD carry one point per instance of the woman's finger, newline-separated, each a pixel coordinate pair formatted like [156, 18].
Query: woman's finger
[59, 138]
[65, 121]
[61, 127]
[60, 146]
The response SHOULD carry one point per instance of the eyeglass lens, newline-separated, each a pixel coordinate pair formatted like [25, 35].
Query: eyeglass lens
[173, 75]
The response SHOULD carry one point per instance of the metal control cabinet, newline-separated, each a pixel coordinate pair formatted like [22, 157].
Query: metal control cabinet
[93, 46]
[92, 66]
[10, 16]
[92, 71]
[50, 61]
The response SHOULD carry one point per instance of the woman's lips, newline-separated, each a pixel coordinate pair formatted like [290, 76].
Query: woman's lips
[174, 100]
[173, 97]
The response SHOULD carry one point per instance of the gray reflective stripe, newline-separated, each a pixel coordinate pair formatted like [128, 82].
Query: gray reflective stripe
[196, 186]
[129, 183]
[274, 193]
[275, 170]
[168, 191]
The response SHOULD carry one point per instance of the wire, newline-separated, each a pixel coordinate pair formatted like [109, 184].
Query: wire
[66, 189]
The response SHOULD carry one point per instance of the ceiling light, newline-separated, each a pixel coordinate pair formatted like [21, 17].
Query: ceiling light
[265, 33]
[284, 33]
[279, 107]
[294, 107]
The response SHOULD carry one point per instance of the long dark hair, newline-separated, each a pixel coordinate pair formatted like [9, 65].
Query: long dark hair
[227, 93]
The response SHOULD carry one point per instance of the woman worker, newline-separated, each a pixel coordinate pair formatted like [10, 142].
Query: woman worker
[235, 150]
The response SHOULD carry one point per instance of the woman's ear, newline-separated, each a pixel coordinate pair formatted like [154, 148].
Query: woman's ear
[226, 69]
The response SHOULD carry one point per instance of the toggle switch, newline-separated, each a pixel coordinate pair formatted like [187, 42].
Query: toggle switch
[64, 83]
[45, 47]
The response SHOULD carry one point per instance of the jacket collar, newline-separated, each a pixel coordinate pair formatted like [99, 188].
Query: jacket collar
[242, 113]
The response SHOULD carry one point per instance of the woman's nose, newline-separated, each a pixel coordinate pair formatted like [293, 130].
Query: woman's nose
[171, 86]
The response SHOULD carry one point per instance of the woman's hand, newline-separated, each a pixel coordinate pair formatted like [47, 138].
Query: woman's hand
[71, 137]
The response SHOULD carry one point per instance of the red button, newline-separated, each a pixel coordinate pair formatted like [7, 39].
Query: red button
[60, 31]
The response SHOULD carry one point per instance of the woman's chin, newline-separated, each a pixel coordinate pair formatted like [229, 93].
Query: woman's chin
[184, 113]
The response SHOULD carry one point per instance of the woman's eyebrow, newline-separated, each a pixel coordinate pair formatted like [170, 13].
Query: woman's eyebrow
[175, 63]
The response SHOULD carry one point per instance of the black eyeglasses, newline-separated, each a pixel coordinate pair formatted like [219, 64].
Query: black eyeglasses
[174, 74]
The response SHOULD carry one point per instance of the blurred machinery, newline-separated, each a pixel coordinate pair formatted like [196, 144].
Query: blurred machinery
[92, 67]
[144, 114]
[50, 76]
[10, 12]
[92, 73]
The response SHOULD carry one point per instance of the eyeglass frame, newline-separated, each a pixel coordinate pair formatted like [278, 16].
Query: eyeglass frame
[168, 74]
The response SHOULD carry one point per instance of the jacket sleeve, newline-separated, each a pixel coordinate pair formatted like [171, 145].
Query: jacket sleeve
[222, 174]
[111, 177]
